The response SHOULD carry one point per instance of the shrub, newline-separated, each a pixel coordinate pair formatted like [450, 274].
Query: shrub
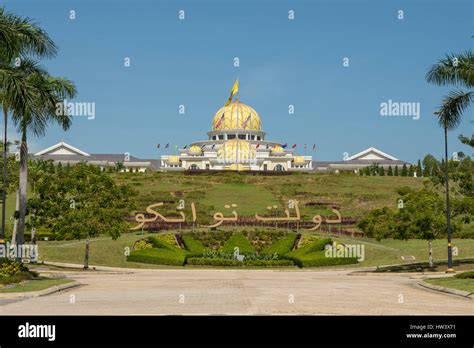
[192, 245]
[167, 238]
[318, 259]
[199, 261]
[158, 243]
[14, 272]
[238, 240]
[142, 244]
[465, 275]
[158, 256]
[282, 246]
[317, 245]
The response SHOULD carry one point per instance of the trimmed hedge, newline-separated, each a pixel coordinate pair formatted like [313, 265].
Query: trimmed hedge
[318, 259]
[238, 240]
[200, 261]
[282, 246]
[311, 247]
[158, 243]
[158, 256]
[465, 275]
[192, 245]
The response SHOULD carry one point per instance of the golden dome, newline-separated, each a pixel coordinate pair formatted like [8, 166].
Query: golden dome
[236, 151]
[236, 116]
[173, 159]
[277, 149]
[298, 159]
[195, 150]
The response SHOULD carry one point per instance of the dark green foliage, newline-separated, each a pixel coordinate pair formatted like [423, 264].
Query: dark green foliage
[419, 171]
[319, 259]
[411, 171]
[396, 173]
[404, 171]
[465, 275]
[79, 202]
[390, 171]
[196, 261]
[282, 246]
[158, 256]
[382, 171]
[192, 245]
[238, 240]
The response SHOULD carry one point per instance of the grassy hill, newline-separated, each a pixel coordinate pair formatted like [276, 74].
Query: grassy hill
[355, 195]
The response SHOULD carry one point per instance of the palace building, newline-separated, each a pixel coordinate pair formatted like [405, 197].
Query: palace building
[236, 141]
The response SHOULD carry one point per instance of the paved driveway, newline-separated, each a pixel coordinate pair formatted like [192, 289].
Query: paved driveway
[241, 292]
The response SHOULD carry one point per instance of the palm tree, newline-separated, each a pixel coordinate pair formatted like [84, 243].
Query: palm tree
[19, 37]
[47, 92]
[457, 70]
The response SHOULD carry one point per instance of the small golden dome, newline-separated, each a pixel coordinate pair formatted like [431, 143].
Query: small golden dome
[195, 150]
[277, 149]
[236, 151]
[173, 159]
[236, 116]
[298, 159]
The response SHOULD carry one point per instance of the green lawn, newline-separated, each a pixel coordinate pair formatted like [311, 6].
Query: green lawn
[455, 283]
[35, 285]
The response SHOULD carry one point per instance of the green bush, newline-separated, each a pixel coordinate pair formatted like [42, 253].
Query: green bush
[318, 259]
[159, 243]
[192, 245]
[465, 275]
[238, 240]
[14, 272]
[199, 261]
[282, 246]
[158, 256]
[317, 245]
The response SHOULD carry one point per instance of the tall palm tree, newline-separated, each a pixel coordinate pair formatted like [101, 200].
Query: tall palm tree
[47, 93]
[456, 70]
[19, 38]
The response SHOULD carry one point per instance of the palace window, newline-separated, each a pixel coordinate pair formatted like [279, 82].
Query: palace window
[221, 137]
[242, 136]
[279, 168]
[230, 136]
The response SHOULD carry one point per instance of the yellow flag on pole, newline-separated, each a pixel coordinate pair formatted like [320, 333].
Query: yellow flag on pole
[235, 90]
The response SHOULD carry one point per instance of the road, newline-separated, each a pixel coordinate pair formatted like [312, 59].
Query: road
[163, 292]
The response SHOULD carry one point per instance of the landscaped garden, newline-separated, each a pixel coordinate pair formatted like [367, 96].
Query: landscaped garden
[234, 249]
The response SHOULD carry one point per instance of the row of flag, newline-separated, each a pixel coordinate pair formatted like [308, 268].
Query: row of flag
[294, 146]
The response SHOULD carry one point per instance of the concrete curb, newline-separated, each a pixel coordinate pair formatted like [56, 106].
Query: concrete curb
[44, 292]
[466, 294]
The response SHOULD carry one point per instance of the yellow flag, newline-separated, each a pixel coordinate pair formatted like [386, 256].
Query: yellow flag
[235, 90]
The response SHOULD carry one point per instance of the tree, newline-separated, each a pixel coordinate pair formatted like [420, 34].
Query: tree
[404, 171]
[382, 171]
[68, 204]
[419, 170]
[411, 170]
[456, 70]
[421, 217]
[430, 165]
[396, 171]
[34, 117]
[367, 171]
[390, 171]
[19, 38]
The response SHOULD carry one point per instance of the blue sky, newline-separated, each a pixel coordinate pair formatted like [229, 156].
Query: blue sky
[282, 62]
